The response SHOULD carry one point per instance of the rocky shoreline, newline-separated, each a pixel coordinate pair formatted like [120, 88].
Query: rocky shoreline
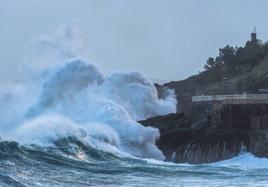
[203, 133]
[218, 135]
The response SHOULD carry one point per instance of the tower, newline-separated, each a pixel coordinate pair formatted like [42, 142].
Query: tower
[254, 35]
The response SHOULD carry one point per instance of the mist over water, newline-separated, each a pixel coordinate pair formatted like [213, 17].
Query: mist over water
[65, 122]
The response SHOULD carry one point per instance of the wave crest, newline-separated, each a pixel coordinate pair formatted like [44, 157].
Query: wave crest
[76, 99]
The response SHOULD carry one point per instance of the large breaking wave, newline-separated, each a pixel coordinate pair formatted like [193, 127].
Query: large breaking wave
[67, 96]
[64, 122]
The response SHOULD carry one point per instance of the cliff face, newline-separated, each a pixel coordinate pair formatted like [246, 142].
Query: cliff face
[222, 134]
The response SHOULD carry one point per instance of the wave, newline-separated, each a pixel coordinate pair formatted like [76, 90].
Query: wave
[69, 161]
[66, 123]
[75, 98]
[244, 161]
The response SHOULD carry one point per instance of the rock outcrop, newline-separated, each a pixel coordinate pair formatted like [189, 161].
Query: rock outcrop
[220, 134]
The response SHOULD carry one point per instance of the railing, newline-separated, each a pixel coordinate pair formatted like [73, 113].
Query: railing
[242, 98]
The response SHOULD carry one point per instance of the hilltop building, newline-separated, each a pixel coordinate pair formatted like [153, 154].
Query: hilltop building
[254, 36]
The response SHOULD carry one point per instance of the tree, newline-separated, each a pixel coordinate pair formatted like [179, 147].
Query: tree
[210, 64]
[229, 59]
[232, 60]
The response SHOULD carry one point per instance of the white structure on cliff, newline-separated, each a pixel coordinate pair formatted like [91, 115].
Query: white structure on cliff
[233, 99]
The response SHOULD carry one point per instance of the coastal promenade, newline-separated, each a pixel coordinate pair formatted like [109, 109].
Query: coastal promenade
[233, 99]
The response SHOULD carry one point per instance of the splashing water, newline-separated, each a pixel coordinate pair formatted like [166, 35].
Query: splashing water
[70, 96]
[66, 123]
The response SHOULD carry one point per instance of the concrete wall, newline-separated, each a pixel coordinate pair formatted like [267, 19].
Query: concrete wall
[242, 116]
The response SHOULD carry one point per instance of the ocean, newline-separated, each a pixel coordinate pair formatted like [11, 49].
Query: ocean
[85, 166]
[66, 122]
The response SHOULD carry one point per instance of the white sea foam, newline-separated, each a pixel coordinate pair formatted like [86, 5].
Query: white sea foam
[15, 99]
[244, 161]
[75, 98]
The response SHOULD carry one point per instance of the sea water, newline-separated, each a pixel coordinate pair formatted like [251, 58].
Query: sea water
[65, 122]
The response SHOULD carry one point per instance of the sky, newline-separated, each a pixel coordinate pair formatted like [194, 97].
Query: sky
[164, 39]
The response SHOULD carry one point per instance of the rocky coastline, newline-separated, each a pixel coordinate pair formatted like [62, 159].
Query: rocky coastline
[208, 132]
[218, 135]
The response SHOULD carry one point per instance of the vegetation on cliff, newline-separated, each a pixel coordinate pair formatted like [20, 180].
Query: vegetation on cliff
[234, 70]
[234, 61]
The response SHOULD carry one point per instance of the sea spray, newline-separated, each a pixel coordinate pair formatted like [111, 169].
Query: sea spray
[74, 98]
[69, 124]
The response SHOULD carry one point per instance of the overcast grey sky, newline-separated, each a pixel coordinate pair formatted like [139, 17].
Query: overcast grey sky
[164, 39]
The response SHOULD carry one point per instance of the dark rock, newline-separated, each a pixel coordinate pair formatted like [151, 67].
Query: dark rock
[222, 134]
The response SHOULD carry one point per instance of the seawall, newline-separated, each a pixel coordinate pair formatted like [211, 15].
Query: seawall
[222, 133]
